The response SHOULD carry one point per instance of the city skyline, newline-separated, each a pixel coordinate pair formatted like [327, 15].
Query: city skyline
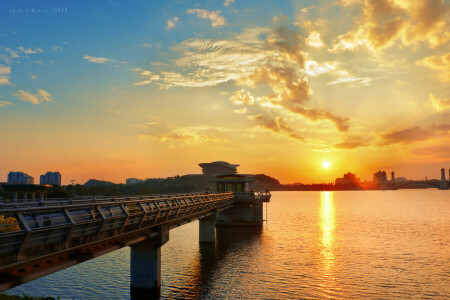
[112, 90]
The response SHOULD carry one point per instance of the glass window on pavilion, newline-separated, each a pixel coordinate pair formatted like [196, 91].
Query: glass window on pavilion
[231, 183]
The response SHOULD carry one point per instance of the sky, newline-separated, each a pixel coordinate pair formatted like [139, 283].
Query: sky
[117, 89]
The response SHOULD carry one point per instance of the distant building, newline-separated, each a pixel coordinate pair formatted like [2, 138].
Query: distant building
[51, 178]
[443, 180]
[348, 179]
[380, 177]
[218, 168]
[392, 176]
[400, 179]
[20, 178]
[133, 181]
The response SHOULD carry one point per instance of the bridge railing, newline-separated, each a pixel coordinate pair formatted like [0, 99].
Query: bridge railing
[253, 196]
[98, 199]
[30, 232]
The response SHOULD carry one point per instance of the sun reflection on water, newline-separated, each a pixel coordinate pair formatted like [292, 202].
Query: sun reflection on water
[327, 222]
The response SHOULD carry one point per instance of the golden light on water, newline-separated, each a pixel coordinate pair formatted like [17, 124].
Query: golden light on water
[327, 222]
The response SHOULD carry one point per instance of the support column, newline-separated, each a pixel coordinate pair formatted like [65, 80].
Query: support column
[42, 196]
[207, 229]
[25, 195]
[145, 266]
[15, 197]
[33, 196]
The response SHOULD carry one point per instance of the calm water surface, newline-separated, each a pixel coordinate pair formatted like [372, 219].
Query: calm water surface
[315, 245]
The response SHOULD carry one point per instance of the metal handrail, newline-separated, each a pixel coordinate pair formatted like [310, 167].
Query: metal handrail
[102, 204]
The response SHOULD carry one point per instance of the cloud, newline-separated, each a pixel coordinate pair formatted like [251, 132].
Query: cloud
[241, 111]
[146, 45]
[98, 60]
[257, 56]
[439, 104]
[242, 97]
[345, 77]
[30, 50]
[291, 91]
[441, 128]
[188, 135]
[40, 97]
[352, 143]
[172, 23]
[383, 22]
[8, 55]
[406, 136]
[276, 125]
[313, 68]
[5, 71]
[4, 103]
[441, 63]
[214, 16]
[228, 2]
[57, 48]
[147, 76]
[314, 40]
[414, 134]
[207, 62]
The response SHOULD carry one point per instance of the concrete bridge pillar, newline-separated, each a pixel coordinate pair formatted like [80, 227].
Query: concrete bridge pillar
[207, 229]
[145, 266]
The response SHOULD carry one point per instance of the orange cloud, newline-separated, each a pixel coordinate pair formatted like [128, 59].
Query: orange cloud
[406, 136]
[276, 125]
[189, 135]
[413, 134]
[439, 104]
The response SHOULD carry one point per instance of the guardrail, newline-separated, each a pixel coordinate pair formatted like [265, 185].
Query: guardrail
[98, 199]
[35, 231]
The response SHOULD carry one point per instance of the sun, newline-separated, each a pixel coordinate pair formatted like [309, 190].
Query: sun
[326, 164]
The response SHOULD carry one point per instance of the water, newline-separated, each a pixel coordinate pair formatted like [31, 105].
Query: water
[337, 245]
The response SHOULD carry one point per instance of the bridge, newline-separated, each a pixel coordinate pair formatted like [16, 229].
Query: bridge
[41, 237]
[442, 184]
[416, 184]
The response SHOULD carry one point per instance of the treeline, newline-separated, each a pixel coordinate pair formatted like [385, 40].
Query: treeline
[177, 184]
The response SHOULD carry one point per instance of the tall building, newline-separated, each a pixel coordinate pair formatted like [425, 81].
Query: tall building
[348, 179]
[380, 177]
[443, 180]
[51, 178]
[218, 168]
[392, 176]
[20, 178]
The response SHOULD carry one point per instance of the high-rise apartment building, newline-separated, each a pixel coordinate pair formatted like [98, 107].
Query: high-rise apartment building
[20, 178]
[51, 178]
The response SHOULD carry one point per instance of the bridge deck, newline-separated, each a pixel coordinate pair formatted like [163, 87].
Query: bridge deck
[38, 240]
